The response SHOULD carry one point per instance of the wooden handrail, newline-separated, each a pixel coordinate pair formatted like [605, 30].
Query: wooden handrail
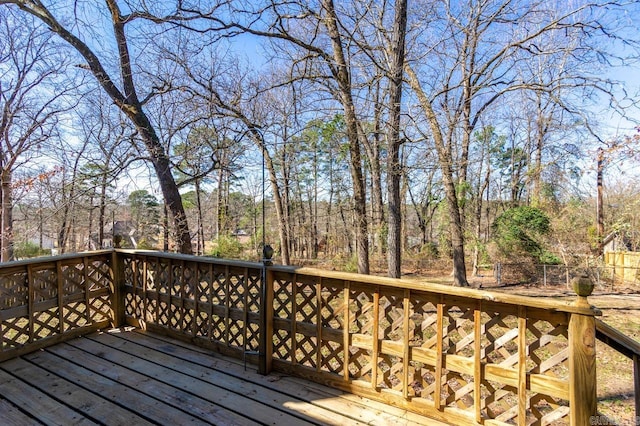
[466, 292]
[455, 354]
[628, 347]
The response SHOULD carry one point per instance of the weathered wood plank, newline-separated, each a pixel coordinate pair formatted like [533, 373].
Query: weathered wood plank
[337, 402]
[153, 383]
[582, 369]
[42, 407]
[67, 393]
[12, 416]
[112, 391]
[258, 402]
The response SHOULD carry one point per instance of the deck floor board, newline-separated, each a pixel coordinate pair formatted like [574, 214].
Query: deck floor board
[125, 377]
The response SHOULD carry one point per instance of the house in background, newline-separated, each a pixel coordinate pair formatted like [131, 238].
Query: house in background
[242, 236]
[125, 230]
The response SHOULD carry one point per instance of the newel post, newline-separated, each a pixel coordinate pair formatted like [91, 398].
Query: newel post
[117, 290]
[582, 357]
[265, 350]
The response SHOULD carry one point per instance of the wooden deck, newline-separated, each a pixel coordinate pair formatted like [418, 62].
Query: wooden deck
[127, 377]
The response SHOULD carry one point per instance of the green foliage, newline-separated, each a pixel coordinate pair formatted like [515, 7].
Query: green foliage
[352, 264]
[189, 200]
[145, 244]
[226, 247]
[463, 190]
[429, 250]
[27, 249]
[519, 231]
[483, 253]
[549, 258]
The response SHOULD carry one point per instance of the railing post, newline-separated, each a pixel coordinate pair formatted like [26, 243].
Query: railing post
[117, 290]
[582, 358]
[265, 350]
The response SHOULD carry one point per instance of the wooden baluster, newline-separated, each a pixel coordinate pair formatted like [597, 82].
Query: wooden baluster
[87, 291]
[345, 330]
[294, 323]
[376, 337]
[59, 285]
[117, 290]
[437, 397]
[407, 343]
[477, 365]
[522, 365]
[319, 325]
[266, 326]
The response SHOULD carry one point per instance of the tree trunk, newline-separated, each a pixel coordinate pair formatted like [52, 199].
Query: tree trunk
[394, 169]
[200, 232]
[6, 239]
[127, 101]
[219, 205]
[373, 152]
[359, 191]
[446, 167]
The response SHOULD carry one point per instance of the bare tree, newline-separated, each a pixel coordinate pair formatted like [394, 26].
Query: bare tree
[318, 35]
[479, 49]
[109, 153]
[125, 97]
[32, 99]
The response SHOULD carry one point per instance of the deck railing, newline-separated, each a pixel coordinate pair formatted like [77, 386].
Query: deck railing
[45, 301]
[458, 355]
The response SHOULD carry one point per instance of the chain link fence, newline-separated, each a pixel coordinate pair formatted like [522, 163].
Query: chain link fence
[604, 276]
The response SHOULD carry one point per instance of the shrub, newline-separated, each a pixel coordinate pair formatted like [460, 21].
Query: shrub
[519, 231]
[227, 247]
[26, 249]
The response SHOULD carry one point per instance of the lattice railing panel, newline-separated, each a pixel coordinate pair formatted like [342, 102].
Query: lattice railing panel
[163, 277]
[361, 305]
[73, 279]
[458, 340]
[74, 316]
[391, 328]
[332, 360]
[499, 346]
[100, 308]
[44, 284]
[43, 299]
[151, 275]
[332, 307]
[282, 297]
[423, 336]
[548, 347]
[282, 345]
[218, 327]
[14, 290]
[198, 297]
[203, 325]
[478, 359]
[360, 364]
[15, 332]
[205, 283]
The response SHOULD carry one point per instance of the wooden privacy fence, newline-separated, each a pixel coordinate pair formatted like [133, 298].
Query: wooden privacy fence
[458, 355]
